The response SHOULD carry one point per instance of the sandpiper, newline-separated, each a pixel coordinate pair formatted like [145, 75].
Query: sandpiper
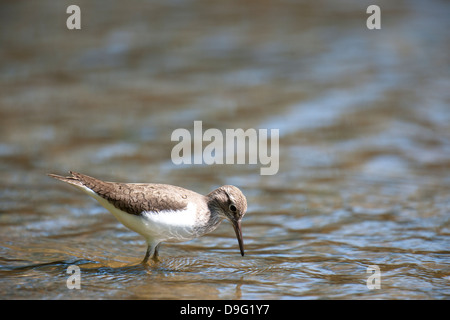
[162, 212]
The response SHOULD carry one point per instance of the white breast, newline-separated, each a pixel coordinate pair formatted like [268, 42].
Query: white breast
[172, 225]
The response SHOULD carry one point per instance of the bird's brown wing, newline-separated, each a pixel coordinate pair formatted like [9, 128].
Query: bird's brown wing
[133, 198]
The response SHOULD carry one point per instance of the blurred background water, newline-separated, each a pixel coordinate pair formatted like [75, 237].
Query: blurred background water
[364, 123]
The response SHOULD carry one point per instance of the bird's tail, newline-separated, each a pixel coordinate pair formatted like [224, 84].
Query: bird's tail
[71, 180]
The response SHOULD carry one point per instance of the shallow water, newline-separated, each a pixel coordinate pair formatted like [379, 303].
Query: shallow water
[364, 155]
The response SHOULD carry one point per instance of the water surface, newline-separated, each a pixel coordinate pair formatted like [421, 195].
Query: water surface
[364, 124]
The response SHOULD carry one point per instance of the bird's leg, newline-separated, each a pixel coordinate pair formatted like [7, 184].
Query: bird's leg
[155, 253]
[151, 248]
[147, 254]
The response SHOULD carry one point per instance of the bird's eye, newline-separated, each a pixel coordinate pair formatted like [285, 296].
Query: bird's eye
[233, 208]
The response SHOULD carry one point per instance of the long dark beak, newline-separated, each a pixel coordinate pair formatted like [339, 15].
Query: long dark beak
[238, 230]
